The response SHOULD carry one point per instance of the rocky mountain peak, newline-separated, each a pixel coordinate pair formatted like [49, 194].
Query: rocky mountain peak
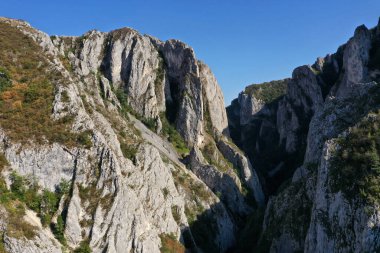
[102, 161]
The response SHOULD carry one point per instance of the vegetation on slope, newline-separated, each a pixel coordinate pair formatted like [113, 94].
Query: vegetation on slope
[170, 244]
[355, 166]
[27, 93]
[268, 91]
[24, 192]
[17, 227]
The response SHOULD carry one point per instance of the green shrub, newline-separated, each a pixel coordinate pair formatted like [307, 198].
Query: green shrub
[165, 191]
[65, 97]
[59, 230]
[17, 227]
[149, 123]
[26, 190]
[5, 79]
[18, 186]
[84, 138]
[129, 151]
[49, 205]
[64, 187]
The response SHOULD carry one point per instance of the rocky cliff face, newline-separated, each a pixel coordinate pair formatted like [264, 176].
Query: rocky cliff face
[96, 134]
[119, 142]
[323, 157]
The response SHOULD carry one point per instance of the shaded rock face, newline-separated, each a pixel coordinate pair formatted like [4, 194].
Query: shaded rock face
[226, 184]
[274, 134]
[323, 104]
[247, 173]
[128, 187]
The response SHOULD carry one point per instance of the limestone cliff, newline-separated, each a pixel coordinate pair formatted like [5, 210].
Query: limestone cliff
[96, 134]
[120, 142]
[314, 145]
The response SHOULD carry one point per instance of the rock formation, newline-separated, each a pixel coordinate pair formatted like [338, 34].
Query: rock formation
[308, 143]
[124, 111]
[119, 142]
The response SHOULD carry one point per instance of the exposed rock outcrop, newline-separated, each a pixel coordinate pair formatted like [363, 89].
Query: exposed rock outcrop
[127, 185]
[322, 106]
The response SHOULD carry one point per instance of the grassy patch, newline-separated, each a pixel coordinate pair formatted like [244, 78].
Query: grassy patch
[84, 138]
[27, 92]
[170, 244]
[355, 166]
[268, 91]
[129, 151]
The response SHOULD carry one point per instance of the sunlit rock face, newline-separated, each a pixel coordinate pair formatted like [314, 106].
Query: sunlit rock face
[130, 108]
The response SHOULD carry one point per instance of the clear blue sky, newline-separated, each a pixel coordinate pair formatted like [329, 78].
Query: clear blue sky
[243, 42]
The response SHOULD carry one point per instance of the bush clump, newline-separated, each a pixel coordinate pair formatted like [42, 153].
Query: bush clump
[84, 138]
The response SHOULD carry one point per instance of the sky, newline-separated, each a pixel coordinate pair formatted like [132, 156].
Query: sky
[243, 41]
